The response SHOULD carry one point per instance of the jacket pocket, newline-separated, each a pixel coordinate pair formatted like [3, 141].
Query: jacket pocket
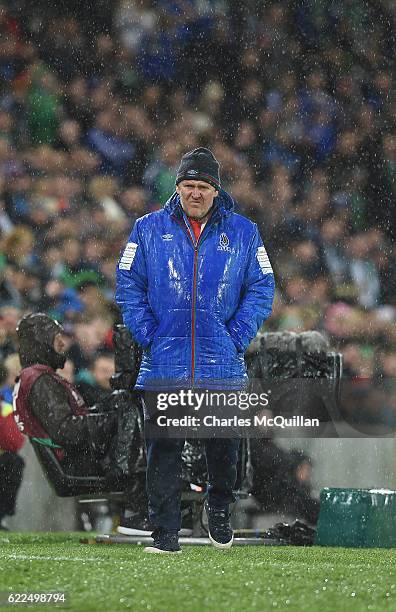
[147, 350]
[230, 340]
[238, 350]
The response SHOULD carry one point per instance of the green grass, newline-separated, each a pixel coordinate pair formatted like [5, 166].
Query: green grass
[107, 578]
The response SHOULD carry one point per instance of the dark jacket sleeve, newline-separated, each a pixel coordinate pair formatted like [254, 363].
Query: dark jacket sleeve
[49, 403]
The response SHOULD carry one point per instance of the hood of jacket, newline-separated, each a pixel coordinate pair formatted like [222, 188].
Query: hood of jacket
[36, 333]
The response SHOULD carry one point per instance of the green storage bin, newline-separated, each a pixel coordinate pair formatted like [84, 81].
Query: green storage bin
[361, 518]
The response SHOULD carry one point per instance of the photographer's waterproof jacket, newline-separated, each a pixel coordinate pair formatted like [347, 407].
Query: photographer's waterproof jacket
[194, 305]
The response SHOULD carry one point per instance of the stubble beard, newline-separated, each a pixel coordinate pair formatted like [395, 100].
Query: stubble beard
[199, 217]
[202, 218]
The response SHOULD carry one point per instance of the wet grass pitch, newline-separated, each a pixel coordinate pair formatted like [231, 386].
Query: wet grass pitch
[107, 578]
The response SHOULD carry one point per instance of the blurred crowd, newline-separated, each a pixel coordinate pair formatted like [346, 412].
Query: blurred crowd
[97, 107]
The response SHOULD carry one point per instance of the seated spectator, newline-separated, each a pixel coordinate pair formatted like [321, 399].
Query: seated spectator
[60, 301]
[75, 270]
[160, 175]
[363, 271]
[104, 138]
[26, 285]
[17, 247]
[88, 337]
[96, 386]
[11, 464]
[103, 190]
[93, 300]
[12, 367]
[134, 202]
[9, 316]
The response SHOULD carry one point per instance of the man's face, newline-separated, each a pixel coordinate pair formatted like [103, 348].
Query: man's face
[60, 344]
[196, 198]
[103, 368]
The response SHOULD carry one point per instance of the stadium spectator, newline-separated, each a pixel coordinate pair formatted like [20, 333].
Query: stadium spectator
[11, 464]
[96, 386]
[12, 366]
[9, 317]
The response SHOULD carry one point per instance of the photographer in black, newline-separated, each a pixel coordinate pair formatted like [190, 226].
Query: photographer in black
[98, 440]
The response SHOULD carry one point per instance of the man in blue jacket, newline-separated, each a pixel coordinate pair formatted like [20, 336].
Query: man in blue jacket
[194, 284]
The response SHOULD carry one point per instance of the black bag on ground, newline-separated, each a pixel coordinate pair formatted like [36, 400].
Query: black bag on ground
[297, 534]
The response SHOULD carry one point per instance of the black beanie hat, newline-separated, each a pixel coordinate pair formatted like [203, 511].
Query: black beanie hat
[199, 165]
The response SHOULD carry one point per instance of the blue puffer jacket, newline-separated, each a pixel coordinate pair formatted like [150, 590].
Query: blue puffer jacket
[194, 308]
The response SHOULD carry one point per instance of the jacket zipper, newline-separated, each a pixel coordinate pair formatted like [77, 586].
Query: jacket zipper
[194, 301]
[193, 317]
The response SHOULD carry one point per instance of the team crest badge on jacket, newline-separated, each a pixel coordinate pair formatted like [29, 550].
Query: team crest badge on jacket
[224, 243]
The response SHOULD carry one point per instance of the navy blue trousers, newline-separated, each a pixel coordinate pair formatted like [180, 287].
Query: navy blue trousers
[163, 478]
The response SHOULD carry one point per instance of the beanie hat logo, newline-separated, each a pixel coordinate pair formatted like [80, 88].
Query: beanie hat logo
[200, 164]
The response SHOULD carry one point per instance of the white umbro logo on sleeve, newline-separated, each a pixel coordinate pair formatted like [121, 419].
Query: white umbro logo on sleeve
[263, 260]
[128, 256]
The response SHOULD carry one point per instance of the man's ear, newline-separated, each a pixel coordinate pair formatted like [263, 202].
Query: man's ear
[216, 194]
[177, 189]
